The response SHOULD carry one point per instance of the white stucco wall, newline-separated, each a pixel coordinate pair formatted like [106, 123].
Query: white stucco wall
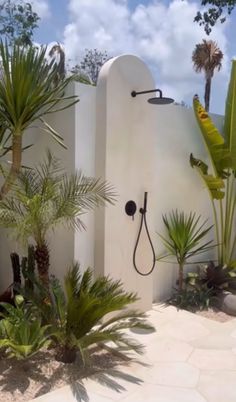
[77, 126]
[142, 147]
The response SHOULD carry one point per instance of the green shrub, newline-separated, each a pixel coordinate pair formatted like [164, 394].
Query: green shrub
[22, 334]
[79, 318]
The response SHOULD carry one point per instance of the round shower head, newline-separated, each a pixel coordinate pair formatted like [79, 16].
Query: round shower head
[160, 101]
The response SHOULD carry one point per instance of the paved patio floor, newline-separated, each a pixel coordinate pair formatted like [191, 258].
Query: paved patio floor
[188, 359]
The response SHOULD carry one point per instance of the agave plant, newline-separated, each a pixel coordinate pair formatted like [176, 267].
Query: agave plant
[22, 334]
[46, 197]
[79, 317]
[27, 94]
[184, 239]
[219, 177]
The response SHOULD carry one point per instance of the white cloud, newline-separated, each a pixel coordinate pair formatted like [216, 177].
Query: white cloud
[41, 7]
[163, 35]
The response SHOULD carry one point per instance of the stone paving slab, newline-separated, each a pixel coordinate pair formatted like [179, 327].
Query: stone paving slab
[189, 359]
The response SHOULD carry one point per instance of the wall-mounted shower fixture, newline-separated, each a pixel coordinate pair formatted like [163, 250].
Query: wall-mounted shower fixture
[143, 224]
[161, 100]
[131, 208]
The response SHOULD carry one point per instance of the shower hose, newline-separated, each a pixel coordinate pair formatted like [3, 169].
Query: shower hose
[143, 212]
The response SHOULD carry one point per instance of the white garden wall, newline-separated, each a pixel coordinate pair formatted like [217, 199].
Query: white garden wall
[137, 147]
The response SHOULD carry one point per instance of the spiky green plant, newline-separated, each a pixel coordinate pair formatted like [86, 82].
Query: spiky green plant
[27, 94]
[22, 334]
[79, 317]
[184, 239]
[45, 197]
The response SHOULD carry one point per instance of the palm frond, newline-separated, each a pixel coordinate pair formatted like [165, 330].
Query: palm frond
[46, 196]
[185, 235]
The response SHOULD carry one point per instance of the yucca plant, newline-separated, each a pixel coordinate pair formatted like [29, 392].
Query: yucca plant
[79, 318]
[45, 197]
[27, 94]
[22, 334]
[184, 239]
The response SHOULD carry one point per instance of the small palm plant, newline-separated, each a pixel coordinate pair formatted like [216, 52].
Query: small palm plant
[184, 239]
[45, 197]
[78, 317]
[27, 94]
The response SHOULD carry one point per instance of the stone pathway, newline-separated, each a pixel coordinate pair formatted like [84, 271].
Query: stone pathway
[188, 359]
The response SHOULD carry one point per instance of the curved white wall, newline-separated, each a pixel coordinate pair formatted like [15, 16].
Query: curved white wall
[142, 147]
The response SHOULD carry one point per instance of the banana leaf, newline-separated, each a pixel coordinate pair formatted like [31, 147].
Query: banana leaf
[215, 184]
[217, 149]
[230, 116]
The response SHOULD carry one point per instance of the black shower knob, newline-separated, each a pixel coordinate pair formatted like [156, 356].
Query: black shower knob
[130, 208]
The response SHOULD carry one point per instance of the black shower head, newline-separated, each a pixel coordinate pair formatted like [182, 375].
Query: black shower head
[161, 100]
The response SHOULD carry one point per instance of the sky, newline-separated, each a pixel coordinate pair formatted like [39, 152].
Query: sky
[161, 32]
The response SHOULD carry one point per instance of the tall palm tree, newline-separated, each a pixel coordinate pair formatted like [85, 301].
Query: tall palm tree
[207, 57]
[45, 197]
[27, 94]
[54, 51]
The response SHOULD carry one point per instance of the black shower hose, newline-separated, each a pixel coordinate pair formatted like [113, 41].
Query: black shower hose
[144, 221]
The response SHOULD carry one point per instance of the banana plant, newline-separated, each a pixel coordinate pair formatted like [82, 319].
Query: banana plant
[220, 181]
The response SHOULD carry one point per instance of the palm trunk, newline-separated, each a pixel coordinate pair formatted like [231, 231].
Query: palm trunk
[66, 354]
[207, 94]
[16, 164]
[181, 277]
[42, 260]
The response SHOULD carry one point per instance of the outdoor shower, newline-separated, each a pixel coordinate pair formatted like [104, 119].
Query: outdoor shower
[130, 207]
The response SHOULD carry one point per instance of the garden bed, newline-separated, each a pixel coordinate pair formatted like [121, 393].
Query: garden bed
[22, 381]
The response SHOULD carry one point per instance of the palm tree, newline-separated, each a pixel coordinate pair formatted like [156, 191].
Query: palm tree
[27, 94]
[54, 51]
[45, 197]
[207, 57]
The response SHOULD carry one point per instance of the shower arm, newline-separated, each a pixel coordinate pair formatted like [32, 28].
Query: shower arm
[134, 93]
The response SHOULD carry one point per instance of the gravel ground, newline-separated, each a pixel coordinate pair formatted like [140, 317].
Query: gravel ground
[216, 315]
[23, 381]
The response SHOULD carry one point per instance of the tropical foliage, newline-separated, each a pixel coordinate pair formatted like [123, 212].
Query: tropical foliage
[215, 277]
[197, 297]
[27, 94]
[80, 317]
[207, 57]
[184, 239]
[22, 334]
[220, 181]
[45, 197]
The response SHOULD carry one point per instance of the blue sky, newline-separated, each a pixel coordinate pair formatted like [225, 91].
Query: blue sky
[161, 32]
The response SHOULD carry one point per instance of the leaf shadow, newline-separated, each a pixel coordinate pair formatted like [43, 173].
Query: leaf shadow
[102, 367]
